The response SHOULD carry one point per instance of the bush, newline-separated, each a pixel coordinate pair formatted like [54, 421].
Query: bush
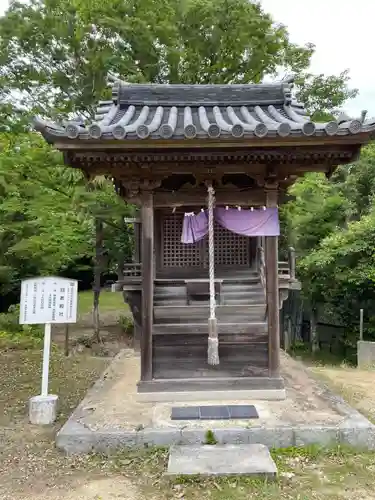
[126, 323]
[9, 325]
[84, 340]
[18, 341]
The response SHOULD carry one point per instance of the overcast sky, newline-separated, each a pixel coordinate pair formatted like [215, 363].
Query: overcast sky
[342, 31]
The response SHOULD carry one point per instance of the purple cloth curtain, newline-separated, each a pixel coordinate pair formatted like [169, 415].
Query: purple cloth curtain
[194, 228]
[244, 222]
[249, 222]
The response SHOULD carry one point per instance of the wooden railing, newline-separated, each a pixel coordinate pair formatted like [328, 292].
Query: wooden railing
[287, 268]
[133, 270]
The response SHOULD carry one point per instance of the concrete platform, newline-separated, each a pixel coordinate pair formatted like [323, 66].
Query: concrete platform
[112, 416]
[186, 396]
[221, 460]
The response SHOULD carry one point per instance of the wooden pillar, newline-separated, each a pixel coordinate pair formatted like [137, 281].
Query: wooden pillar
[147, 250]
[272, 288]
[137, 241]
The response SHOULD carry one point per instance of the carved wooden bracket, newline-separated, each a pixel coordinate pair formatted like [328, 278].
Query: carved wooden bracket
[206, 175]
[134, 187]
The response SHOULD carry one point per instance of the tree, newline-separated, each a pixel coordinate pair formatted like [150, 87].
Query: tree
[48, 217]
[323, 95]
[331, 223]
[318, 207]
[108, 211]
[41, 233]
[56, 54]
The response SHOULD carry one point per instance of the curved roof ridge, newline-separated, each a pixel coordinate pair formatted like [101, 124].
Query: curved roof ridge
[249, 94]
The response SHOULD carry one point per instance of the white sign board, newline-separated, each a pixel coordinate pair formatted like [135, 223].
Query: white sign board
[48, 300]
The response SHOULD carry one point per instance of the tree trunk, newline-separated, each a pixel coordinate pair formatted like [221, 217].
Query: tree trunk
[97, 275]
[120, 269]
[313, 330]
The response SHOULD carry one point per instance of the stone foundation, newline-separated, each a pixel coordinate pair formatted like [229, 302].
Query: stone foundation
[112, 416]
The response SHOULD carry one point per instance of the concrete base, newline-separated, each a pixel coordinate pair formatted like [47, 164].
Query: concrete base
[221, 460]
[366, 355]
[311, 414]
[43, 409]
[173, 397]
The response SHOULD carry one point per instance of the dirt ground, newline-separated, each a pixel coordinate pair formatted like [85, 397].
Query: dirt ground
[32, 469]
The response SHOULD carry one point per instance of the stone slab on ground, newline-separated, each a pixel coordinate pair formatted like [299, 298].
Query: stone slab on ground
[221, 460]
[366, 355]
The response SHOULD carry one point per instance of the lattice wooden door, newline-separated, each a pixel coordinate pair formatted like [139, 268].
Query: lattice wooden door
[175, 253]
[230, 249]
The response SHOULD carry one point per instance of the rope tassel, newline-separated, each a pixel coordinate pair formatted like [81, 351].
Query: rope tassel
[213, 340]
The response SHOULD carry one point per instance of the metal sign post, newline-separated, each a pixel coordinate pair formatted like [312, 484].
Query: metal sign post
[48, 301]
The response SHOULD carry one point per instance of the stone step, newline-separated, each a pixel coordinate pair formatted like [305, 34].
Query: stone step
[221, 460]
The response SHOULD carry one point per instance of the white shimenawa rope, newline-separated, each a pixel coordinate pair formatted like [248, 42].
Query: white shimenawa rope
[213, 341]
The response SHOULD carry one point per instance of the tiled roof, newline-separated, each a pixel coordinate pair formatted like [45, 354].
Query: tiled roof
[200, 111]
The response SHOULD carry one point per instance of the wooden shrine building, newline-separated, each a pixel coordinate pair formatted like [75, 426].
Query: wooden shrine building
[231, 151]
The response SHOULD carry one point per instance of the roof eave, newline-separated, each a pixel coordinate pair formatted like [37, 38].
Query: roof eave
[64, 143]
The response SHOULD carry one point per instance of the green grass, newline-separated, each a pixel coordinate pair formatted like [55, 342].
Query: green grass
[304, 474]
[322, 357]
[109, 301]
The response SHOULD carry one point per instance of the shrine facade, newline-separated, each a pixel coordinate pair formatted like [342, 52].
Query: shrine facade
[208, 166]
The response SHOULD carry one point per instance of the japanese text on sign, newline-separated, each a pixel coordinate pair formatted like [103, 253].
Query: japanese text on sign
[48, 300]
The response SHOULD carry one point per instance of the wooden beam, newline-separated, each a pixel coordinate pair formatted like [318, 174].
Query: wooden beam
[272, 291]
[253, 197]
[147, 217]
[66, 144]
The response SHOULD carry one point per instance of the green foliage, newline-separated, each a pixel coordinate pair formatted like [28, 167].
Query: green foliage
[57, 54]
[332, 225]
[323, 95]
[126, 323]
[40, 230]
[18, 341]
[209, 438]
[47, 213]
[318, 207]
[10, 327]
